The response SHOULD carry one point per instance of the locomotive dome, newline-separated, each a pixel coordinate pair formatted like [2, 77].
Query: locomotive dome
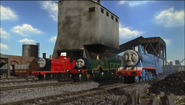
[130, 58]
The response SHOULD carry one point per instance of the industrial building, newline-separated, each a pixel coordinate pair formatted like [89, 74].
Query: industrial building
[170, 68]
[85, 26]
[29, 52]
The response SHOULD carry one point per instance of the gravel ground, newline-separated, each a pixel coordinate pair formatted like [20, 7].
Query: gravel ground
[3, 80]
[12, 78]
[104, 99]
[26, 83]
[114, 95]
[109, 98]
[29, 93]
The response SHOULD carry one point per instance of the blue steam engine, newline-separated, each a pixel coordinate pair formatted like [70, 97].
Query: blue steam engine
[139, 66]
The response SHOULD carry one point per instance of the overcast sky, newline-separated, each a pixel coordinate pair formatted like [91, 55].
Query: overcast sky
[36, 22]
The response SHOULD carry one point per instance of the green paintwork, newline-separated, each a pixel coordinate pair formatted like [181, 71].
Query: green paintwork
[104, 63]
[114, 64]
[103, 66]
[83, 77]
[98, 75]
[91, 77]
[106, 75]
[93, 64]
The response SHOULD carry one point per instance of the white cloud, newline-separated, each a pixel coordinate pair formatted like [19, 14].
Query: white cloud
[122, 2]
[126, 33]
[132, 3]
[4, 34]
[3, 46]
[53, 39]
[170, 18]
[25, 30]
[27, 41]
[7, 13]
[167, 41]
[52, 8]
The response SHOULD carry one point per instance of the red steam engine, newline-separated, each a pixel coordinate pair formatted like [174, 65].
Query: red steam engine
[59, 68]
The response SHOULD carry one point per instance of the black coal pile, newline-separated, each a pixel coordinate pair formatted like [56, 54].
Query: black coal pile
[174, 83]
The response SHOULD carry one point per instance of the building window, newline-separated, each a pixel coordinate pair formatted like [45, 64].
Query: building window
[102, 10]
[107, 13]
[112, 17]
[91, 9]
[116, 19]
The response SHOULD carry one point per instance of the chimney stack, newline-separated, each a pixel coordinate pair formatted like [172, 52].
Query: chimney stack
[44, 55]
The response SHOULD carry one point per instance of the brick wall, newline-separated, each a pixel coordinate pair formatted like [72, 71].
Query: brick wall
[20, 60]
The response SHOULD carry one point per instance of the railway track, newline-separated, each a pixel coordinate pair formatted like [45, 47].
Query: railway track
[5, 88]
[67, 97]
[71, 96]
[22, 81]
[34, 85]
[18, 79]
[78, 97]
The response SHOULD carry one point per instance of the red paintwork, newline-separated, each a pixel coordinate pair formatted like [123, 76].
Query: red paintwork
[128, 72]
[138, 72]
[59, 65]
[24, 74]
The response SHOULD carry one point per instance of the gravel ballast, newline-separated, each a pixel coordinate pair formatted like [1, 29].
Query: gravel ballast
[29, 93]
[25, 83]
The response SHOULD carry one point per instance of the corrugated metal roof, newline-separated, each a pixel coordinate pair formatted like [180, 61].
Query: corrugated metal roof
[3, 56]
[3, 66]
[125, 46]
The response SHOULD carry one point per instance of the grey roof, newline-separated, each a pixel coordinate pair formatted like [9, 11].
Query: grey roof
[3, 56]
[3, 65]
[125, 46]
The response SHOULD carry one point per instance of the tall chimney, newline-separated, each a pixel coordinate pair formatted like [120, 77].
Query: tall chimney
[44, 55]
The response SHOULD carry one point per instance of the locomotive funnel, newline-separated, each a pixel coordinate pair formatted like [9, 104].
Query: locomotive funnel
[44, 55]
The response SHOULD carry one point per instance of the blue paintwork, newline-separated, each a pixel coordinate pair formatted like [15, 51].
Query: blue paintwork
[143, 74]
[150, 76]
[141, 80]
[147, 77]
[149, 60]
[137, 79]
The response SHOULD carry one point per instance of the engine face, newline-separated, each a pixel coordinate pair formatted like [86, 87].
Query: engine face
[130, 58]
[42, 62]
[80, 63]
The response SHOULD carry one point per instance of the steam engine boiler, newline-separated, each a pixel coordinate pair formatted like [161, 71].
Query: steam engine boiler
[59, 68]
[139, 66]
